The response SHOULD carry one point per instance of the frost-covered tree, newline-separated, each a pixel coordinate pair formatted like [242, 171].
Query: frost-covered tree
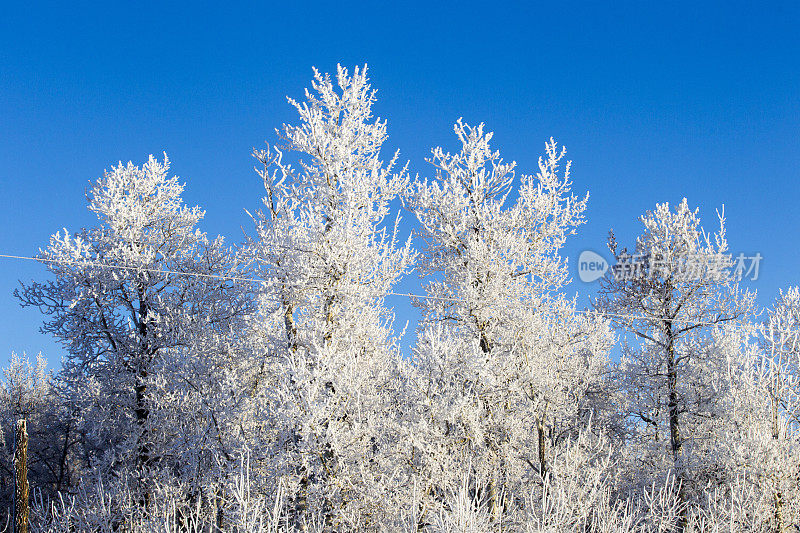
[330, 258]
[670, 293]
[780, 344]
[505, 364]
[136, 301]
[770, 408]
[754, 434]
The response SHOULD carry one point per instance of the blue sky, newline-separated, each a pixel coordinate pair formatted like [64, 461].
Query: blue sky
[654, 101]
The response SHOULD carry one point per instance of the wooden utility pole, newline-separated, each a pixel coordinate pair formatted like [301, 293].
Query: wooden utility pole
[21, 488]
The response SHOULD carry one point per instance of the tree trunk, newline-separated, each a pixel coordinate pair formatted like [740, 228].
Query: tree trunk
[141, 412]
[672, 403]
[219, 502]
[674, 422]
[542, 456]
[140, 409]
[288, 322]
[778, 499]
[495, 505]
[63, 472]
[778, 496]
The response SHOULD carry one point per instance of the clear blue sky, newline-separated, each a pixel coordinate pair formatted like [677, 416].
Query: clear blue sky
[654, 101]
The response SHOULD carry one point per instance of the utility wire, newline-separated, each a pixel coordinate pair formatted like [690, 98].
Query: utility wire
[390, 293]
[138, 269]
[182, 273]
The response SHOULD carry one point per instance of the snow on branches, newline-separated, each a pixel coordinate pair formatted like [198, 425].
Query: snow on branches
[261, 386]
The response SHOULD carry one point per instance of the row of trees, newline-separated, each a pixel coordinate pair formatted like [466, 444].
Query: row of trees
[259, 387]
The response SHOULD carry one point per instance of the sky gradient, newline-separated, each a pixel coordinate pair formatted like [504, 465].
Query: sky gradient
[654, 102]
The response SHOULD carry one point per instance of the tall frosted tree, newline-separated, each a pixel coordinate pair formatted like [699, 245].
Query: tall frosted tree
[670, 293]
[504, 361]
[135, 301]
[331, 258]
[774, 432]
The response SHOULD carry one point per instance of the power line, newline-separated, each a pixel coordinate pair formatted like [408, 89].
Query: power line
[183, 273]
[137, 268]
[238, 279]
